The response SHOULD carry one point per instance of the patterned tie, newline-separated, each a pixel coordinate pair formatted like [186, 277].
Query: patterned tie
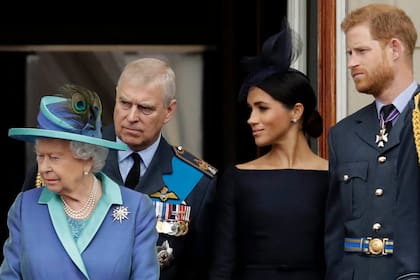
[388, 114]
[134, 173]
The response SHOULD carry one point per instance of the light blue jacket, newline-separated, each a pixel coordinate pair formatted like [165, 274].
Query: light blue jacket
[41, 246]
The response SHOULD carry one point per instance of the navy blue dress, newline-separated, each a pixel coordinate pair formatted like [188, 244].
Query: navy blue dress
[270, 224]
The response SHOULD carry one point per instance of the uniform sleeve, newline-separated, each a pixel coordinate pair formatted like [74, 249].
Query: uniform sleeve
[407, 211]
[10, 268]
[145, 263]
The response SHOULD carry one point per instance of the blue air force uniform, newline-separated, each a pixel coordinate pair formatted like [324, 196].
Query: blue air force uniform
[407, 216]
[182, 188]
[373, 209]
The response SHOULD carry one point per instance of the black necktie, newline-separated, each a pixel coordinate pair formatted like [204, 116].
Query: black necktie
[134, 173]
[388, 113]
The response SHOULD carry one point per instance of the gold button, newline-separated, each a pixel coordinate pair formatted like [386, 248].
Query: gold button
[346, 178]
[381, 159]
[376, 226]
[379, 192]
[376, 246]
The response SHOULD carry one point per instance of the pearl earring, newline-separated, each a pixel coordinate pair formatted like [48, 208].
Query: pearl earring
[294, 120]
[85, 173]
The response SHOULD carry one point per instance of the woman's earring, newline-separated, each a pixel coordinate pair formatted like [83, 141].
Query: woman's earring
[294, 120]
[85, 173]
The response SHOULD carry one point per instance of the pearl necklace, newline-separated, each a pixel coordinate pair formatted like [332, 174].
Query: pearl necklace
[85, 211]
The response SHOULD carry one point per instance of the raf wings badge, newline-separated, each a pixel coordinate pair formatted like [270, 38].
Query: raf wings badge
[164, 194]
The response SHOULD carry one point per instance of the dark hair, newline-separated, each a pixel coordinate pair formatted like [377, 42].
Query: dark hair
[271, 72]
[294, 87]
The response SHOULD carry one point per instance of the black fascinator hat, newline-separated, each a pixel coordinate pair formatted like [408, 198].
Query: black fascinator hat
[278, 53]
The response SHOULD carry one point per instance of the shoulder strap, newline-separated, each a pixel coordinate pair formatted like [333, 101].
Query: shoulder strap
[192, 160]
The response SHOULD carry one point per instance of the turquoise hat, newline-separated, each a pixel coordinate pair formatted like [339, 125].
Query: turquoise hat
[75, 118]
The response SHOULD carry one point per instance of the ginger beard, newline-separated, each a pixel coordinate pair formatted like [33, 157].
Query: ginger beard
[375, 79]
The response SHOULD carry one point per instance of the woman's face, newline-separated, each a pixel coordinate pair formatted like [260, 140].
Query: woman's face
[58, 167]
[269, 119]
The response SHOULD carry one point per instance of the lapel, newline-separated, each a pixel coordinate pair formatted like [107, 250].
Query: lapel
[368, 125]
[402, 121]
[394, 137]
[59, 221]
[111, 167]
[152, 180]
[111, 194]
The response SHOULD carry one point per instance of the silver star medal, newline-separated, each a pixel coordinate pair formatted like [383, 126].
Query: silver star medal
[165, 254]
[382, 138]
[120, 213]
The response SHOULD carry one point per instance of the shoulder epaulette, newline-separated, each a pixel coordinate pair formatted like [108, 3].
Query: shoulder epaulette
[191, 159]
[416, 123]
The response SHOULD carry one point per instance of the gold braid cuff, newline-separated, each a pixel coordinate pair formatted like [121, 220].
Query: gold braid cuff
[416, 124]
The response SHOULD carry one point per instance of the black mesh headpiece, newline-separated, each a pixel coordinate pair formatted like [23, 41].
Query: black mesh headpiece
[277, 54]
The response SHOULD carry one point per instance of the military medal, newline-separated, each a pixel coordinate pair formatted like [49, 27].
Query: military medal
[381, 138]
[173, 219]
[159, 226]
[165, 254]
[388, 114]
[182, 228]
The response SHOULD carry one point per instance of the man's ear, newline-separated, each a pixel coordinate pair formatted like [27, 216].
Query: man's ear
[397, 48]
[170, 110]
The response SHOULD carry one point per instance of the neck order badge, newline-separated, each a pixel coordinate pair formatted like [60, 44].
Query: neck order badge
[388, 114]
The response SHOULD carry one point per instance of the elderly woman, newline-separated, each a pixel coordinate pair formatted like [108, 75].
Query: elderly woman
[80, 224]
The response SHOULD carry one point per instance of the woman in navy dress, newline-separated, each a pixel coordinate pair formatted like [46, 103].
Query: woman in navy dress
[270, 218]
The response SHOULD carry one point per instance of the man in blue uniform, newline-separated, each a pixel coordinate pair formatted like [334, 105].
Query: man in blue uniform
[181, 185]
[407, 216]
[368, 199]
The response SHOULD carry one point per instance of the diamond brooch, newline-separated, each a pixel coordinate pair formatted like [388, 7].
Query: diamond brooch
[120, 213]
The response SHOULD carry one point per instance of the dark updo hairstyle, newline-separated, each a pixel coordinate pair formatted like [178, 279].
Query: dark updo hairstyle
[271, 72]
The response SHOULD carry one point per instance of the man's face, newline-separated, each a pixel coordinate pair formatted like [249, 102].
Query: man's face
[140, 113]
[368, 61]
